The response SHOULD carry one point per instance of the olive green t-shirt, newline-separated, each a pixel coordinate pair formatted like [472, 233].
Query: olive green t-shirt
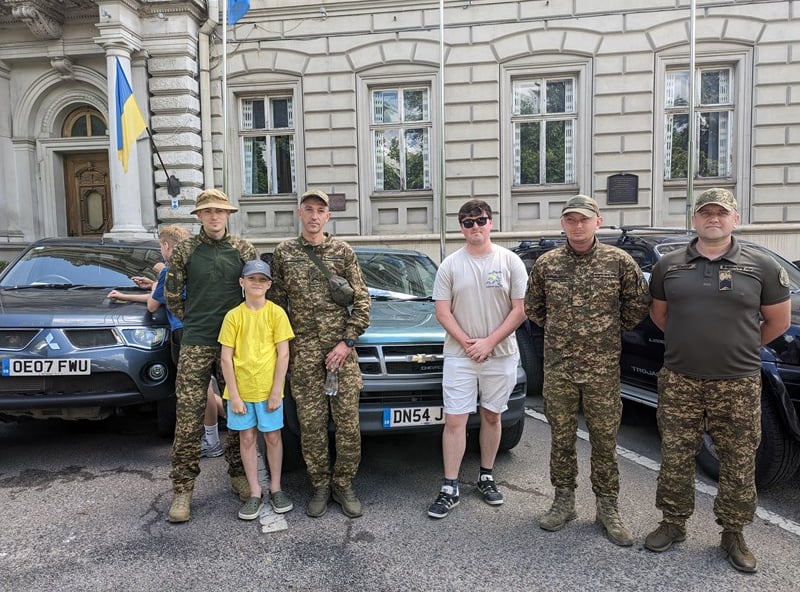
[713, 324]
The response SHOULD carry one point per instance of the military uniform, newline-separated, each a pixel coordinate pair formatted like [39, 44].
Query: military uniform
[712, 370]
[208, 271]
[584, 301]
[319, 324]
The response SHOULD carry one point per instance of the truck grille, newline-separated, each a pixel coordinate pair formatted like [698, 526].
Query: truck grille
[401, 360]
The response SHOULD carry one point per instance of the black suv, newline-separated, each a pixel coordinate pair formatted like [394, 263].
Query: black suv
[643, 352]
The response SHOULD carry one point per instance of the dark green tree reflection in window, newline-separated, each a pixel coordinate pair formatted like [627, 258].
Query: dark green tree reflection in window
[402, 153]
[268, 156]
[713, 122]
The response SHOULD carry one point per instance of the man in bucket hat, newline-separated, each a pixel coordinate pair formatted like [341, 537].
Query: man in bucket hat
[717, 300]
[206, 268]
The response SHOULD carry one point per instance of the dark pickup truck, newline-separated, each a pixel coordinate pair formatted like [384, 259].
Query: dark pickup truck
[778, 456]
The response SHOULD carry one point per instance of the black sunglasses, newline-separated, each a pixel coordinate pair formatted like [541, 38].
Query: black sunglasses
[470, 222]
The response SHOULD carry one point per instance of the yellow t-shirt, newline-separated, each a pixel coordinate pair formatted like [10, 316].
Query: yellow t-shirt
[253, 335]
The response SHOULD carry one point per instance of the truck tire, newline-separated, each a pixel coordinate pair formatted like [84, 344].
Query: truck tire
[777, 457]
[511, 435]
[531, 362]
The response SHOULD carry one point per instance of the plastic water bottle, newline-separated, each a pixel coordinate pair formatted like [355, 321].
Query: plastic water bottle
[332, 383]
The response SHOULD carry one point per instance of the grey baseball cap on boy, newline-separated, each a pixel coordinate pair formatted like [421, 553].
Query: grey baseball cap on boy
[256, 266]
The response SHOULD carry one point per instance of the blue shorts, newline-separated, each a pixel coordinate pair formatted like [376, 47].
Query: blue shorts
[257, 415]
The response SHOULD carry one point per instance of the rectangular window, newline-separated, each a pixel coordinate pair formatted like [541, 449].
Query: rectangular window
[714, 115]
[544, 116]
[401, 131]
[268, 145]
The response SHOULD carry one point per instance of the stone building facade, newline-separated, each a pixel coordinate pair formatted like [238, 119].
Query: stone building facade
[523, 104]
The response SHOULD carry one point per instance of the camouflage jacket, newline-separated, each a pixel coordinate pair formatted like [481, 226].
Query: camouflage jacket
[302, 289]
[584, 302]
[209, 271]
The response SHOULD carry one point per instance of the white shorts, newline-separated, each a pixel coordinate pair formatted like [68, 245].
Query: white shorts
[465, 382]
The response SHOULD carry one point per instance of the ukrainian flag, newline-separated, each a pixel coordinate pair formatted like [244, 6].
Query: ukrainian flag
[130, 123]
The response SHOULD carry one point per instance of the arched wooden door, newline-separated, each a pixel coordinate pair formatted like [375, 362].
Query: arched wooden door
[88, 194]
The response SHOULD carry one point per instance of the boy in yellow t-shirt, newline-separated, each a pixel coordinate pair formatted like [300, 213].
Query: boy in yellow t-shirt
[255, 357]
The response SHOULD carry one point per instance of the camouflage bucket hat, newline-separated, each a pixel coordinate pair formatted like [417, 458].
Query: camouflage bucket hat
[213, 198]
[720, 197]
[581, 204]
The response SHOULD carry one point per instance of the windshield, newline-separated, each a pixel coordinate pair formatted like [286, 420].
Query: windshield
[82, 265]
[398, 274]
[791, 270]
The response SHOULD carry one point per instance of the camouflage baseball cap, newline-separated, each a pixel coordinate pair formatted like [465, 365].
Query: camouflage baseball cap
[255, 266]
[213, 198]
[721, 197]
[318, 193]
[581, 204]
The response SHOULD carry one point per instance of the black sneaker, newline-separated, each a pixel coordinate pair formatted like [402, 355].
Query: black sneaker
[488, 489]
[444, 503]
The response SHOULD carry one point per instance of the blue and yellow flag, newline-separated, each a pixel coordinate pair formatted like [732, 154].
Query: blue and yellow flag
[130, 123]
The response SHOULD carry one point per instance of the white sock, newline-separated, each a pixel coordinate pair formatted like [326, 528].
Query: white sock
[212, 434]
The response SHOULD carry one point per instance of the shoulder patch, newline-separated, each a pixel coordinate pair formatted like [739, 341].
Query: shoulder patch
[784, 278]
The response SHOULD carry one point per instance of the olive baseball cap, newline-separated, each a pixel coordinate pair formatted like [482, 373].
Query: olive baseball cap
[720, 197]
[255, 266]
[318, 193]
[581, 204]
[213, 198]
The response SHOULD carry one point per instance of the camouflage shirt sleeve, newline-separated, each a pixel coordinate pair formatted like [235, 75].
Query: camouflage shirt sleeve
[277, 292]
[535, 299]
[635, 294]
[175, 282]
[246, 249]
[359, 315]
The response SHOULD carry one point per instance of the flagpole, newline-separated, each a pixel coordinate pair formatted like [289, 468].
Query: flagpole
[225, 97]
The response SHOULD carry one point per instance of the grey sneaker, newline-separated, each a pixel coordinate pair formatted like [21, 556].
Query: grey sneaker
[208, 451]
[488, 488]
[251, 508]
[280, 502]
[346, 497]
[318, 504]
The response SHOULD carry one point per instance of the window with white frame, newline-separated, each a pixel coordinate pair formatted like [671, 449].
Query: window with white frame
[714, 118]
[544, 117]
[401, 135]
[267, 135]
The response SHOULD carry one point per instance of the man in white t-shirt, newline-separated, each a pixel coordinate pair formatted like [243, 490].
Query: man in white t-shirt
[479, 293]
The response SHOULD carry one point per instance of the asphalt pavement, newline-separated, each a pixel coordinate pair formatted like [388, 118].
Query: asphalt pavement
[83, 507]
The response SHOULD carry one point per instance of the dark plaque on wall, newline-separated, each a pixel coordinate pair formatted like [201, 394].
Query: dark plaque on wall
[622, 188]
[337, 202]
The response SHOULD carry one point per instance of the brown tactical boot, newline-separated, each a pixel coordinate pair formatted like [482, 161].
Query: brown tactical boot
[608, 518]
[662, 537]
[181, 507]
[739, 556]
[561, 512]
[318, 504]
[346, 497]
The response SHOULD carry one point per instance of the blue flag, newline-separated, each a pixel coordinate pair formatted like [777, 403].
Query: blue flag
[236, 10]
[129, 121]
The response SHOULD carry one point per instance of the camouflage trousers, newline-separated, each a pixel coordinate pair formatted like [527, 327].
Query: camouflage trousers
[730, 410]
[602, 408]
[314, 408]
[191, 387]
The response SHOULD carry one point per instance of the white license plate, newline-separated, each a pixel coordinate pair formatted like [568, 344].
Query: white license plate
[412, 416]
[49, 367]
